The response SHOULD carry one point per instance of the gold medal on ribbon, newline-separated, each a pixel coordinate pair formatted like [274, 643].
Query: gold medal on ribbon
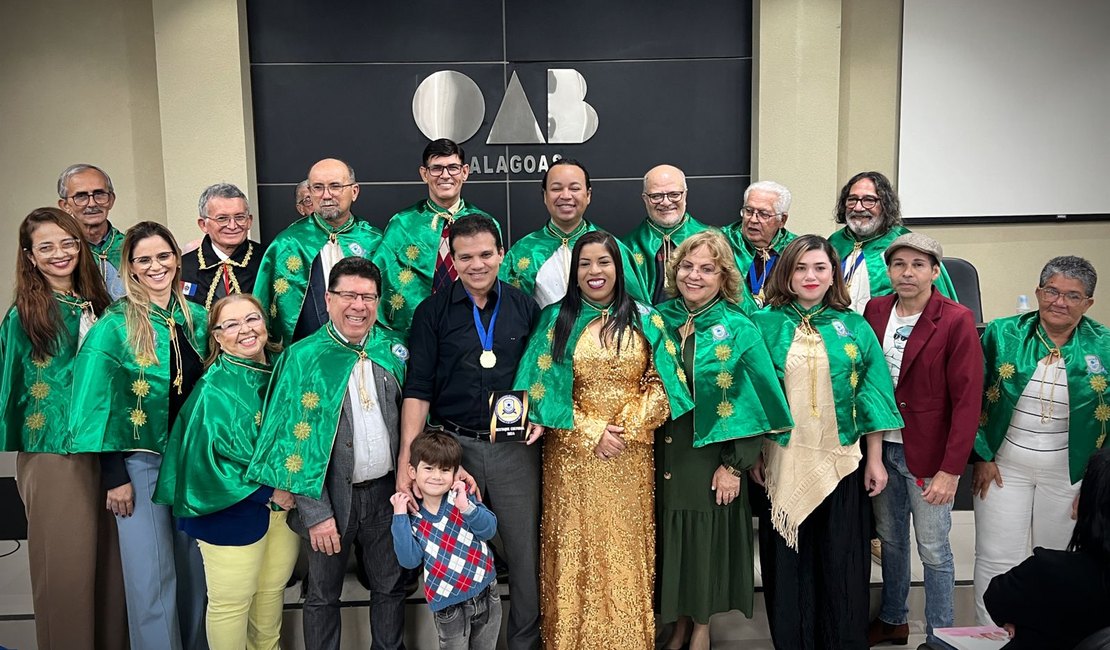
[488, 359]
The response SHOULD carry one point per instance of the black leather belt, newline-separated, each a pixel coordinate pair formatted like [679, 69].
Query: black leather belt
[451, 427]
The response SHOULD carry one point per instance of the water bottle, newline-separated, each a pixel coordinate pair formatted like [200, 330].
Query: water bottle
[1023, 304]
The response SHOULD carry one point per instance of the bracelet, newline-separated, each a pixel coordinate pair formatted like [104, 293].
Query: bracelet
[732, 470]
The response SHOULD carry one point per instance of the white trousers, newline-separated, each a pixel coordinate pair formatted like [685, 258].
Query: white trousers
[1032, 508]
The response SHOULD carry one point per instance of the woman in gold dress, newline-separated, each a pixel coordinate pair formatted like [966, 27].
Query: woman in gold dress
[600, 380]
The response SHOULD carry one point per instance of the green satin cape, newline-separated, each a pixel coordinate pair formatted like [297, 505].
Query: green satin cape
[550, 382]
[523, 261]
[736, 391]
[746, 252]
[407, 259]
[1011, 350]
[645, 240]
[304, 402]
[283, 274]
[35, 395]
[121, 403]
[205, 463]
[861, 384]
[843, 241]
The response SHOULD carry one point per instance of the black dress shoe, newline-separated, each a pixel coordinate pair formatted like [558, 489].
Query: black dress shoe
[880, 631]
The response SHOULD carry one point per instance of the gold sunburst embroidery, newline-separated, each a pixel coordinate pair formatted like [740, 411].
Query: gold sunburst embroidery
[42, 364]
[551, 334]
[523, 263]
[722, 352]
[724, 410]
[670, 347]
[853, 379]
[405, 276]
[138, 417]
[396, 301]
[412, 252]
[40, 389]
[851, 350]
[993, 394]
[537, 391]
[544, 362]
[639, 258]
[1098, 383]
[294, 463]
[302, 430]
[258, 419]
[657, 320]
[36, 421]
[724, 379]
[681, 374]
[140, 387]
[1102, 412]
[144, 361]
[1006, 370]
[293, 263]
[310, 400]
[281, 286]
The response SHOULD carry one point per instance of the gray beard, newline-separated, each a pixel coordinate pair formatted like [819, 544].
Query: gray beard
[874, 226]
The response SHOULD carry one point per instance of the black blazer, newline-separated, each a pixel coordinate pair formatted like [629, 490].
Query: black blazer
[1054, 599]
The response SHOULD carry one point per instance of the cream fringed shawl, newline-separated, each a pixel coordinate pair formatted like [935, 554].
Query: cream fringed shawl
[800, 475]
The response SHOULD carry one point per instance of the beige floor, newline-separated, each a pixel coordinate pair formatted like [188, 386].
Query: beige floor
[730, 631]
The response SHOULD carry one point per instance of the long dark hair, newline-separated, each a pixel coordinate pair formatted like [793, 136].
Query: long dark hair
[779, 292]
[1092, 523]
[34, 299]
[623, 312]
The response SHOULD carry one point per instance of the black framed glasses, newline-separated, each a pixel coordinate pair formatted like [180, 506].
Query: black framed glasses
[351, 296]
[454, 169]
[99, 197]
[867, 202]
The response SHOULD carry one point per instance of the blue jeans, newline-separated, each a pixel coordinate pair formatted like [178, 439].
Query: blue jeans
[893, 507]
[473, 624]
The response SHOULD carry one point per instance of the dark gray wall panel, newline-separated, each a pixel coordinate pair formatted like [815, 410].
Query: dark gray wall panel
[587, 30]
[372, 31]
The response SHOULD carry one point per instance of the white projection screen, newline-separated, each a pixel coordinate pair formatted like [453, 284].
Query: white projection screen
[1005, 111]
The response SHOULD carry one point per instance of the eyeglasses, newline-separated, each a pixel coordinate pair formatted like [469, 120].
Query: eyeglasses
[748, 212]
[1071, 298]
[317, 189]
[657, 197]
[223, 220]
[306, 201]
[70, 245]
[351, 296]
[232, 327]
[686, 268]
[867, 202]
[145, 262]
[100, 197]
[454, 169]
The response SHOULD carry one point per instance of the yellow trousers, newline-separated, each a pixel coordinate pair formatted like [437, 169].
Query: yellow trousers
[245, 588]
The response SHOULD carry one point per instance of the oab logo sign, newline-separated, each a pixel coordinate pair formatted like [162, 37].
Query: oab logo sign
[448, 104]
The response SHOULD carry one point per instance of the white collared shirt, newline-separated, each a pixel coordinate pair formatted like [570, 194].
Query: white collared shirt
[371, 438]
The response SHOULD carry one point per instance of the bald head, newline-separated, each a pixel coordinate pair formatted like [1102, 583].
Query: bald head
[665, 195]
[332, 186]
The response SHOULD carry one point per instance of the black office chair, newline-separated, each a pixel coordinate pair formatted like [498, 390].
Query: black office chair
[966, 280]
[1098, 641]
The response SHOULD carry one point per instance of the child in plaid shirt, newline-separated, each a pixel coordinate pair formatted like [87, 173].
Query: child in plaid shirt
[447, 533]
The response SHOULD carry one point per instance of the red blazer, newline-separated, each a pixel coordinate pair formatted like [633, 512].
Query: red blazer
[940, 385]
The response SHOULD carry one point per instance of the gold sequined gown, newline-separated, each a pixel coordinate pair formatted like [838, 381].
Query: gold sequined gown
[597, 531]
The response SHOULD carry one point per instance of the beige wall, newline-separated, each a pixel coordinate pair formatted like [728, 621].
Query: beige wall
[156, 92]
[77, 84]
[796, 40]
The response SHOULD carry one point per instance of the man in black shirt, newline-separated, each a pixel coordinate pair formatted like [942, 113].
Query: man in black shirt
[226, 262]
[451, 373]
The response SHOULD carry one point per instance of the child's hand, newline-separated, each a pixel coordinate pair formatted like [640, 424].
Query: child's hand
[460, 500]
[400, 503]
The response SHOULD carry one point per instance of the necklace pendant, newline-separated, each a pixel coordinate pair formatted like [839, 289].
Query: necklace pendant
[488, 359]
